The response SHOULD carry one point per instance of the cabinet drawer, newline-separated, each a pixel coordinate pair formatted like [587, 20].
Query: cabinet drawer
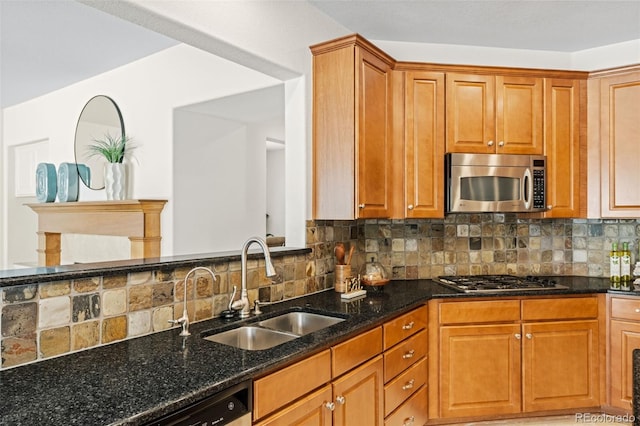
[405, 354]
[413, 412]
[479, 312]
[355, 351]
[309, 409]
[561, 308]
[401, 388]
[625, 308]
[300, 378]
[404, 326]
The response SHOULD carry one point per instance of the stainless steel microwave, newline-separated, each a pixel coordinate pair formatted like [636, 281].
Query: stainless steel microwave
[495, 182]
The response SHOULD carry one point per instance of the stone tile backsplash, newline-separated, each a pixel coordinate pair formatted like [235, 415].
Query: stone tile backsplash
[48, 319]
[487, 243]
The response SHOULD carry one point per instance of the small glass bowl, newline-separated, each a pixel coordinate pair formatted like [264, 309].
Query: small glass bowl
[373, 274]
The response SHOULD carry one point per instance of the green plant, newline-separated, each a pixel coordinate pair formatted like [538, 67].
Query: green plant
[110, 147]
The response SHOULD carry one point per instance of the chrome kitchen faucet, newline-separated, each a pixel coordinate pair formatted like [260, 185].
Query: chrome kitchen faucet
[243, 303]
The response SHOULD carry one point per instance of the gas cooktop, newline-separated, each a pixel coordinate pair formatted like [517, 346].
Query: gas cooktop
[498, 283]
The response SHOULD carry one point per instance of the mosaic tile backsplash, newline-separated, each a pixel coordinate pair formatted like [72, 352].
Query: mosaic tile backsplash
[48, 319]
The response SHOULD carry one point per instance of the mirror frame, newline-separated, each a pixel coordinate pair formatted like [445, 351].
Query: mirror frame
[95, 167]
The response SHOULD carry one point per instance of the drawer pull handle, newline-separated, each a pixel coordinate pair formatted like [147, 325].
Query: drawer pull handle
[637, 310]
[409, 354]
[409, 421]
[529, 336]
[409, 384]
[330, 405]
[518, 336]
[341, 400]
[408, 326]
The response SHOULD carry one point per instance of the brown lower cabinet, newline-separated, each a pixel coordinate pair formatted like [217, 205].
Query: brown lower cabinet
[377, 378]
[624, 337]
[501, 357]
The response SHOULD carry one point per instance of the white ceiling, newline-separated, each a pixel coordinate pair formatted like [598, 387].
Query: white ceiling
[40, 50]
[551, 25]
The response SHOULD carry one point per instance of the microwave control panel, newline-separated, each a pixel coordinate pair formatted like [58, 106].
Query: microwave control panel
[538, 189]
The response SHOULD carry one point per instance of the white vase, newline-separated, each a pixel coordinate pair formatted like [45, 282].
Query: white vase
[115, 181]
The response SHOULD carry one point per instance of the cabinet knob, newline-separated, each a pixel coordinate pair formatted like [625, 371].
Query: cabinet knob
[637, 310]
[518, 336]
[490, 143]
[409, 384]
[410, 206]
[340, 399]
[330, 405]
[361, 206]
[529, 336]
[409, 354]
[408, 326]
[409, 421]
[501, 143]
[549, 207]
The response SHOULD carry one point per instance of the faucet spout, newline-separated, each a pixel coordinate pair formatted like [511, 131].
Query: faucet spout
[184, 319]
[243, 303]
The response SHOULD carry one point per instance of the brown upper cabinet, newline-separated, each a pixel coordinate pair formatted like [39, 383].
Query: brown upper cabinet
[381, 129]
[424, 144]
[614, 126]
[564, 148]
[352, 146]
[494, 114]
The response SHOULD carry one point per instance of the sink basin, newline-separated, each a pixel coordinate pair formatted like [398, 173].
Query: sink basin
[299, 323]
[251, 338]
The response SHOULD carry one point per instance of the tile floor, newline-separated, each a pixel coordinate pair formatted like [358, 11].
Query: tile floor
[586, 419]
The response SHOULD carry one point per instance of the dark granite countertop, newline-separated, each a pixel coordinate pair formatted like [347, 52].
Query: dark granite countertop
[137, 380]
[14, 277]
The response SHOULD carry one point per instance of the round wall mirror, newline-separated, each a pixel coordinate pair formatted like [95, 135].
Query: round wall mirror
[99, 119]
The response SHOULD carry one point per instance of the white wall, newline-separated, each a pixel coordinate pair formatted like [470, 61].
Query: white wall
[219, 180]
[147, 92]
[275, 192]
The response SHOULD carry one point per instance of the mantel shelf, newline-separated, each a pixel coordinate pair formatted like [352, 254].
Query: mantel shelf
[137, 219]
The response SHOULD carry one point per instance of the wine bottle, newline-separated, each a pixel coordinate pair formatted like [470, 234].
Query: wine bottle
[625, 262]
[614, 264]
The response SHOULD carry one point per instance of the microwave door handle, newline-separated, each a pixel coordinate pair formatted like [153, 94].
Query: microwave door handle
[528, 188]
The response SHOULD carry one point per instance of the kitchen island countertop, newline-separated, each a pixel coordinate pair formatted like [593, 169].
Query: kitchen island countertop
[137, 380]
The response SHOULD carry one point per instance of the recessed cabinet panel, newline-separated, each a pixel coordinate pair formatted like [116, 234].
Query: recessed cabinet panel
[470, 113]
[424, 144]
[362, 393]
[373, 137]
[519, 115]
[619, 130]
[561, 365]
[479, 370]
[562, 148]
[624, 338]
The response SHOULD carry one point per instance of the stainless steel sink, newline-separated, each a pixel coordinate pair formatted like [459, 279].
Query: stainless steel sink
[299, 323]
[251, 338]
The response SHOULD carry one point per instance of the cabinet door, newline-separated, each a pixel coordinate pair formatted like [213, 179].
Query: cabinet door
[480, 370]
[309, 411]
[560, 365]
[619, 130]
[424, 144]
[562, 147]
[624, 338]
[519, 115]
[373, 136]
[470, 113]
[358, 396]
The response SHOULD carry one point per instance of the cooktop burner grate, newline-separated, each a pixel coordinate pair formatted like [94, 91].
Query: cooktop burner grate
[498, 283]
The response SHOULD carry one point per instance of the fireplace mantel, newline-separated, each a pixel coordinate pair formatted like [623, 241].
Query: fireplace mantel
[137, 219]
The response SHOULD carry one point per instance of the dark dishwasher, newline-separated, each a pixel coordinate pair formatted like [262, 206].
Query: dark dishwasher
[230, 405]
